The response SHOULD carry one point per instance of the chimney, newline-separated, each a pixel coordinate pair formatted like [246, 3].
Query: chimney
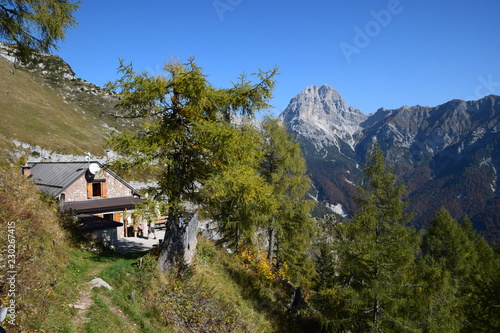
[26, 171]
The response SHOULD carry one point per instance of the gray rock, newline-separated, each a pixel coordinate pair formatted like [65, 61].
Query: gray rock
[98, 282]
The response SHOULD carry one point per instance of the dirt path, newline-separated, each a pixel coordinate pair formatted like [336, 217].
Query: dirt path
[131, 326]
[85, 300]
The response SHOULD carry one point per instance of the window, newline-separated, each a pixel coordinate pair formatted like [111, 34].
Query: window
[97, 189]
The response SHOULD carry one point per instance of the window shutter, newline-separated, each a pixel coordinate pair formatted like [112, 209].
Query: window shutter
[89, 190]
[104, 189]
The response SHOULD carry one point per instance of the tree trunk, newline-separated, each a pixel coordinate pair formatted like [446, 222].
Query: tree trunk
[270, 251]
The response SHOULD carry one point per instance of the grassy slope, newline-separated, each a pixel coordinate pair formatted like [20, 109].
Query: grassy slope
[221, 292]
[217, 294]
[33, 110]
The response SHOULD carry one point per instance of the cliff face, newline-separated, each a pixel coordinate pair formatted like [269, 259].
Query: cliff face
[446, 155]
[321, 115]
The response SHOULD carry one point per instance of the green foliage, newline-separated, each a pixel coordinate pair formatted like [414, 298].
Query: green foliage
[448, 284]
[436, 301]
[448, 244]
[179, 112]
[290, 227]
[235, 195]
[375, 258]
[35, 24]
[466, 267]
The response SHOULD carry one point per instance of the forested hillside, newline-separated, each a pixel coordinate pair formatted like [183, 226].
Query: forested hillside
[446, 155]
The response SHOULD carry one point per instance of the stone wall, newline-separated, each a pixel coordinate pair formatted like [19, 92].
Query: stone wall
[78, 190]
[107, 236]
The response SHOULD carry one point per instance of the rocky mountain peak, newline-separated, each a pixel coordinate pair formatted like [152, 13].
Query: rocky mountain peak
[320, 113]
[446, 155]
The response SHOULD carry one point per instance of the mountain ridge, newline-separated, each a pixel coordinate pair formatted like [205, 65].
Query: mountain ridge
[43, 103]
[344, 120]
[450, 148]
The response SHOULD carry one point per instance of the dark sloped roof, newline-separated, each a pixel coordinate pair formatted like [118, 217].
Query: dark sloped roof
[54, 177]
[98, 206]
[91, 223]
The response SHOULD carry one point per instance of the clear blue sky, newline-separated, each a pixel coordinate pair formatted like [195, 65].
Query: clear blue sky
[379, 53]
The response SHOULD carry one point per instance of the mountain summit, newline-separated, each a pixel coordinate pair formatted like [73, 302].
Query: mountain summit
[322, 115]
[447, 155]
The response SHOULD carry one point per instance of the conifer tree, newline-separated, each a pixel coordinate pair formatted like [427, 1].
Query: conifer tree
[236, 196]
[448, 244]
[185, 125]
[177, 112]
[467, 267]
[482, 308]
[375, 258]
[35, 24]
[290, 227]
[440, 266]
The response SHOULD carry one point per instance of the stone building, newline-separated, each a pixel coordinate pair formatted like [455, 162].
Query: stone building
[100, 199]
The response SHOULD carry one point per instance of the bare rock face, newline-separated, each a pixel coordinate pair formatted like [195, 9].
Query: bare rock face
[327, 127]
[321, 114]
[179, 246]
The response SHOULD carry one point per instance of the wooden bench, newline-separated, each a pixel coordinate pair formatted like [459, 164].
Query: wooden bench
[161, 222]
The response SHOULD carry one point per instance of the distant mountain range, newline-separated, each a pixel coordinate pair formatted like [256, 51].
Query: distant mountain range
[447, 155]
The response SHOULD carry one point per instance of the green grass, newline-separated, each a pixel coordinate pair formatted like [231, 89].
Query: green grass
[34, 111]
[122, 273]
[103, 320]
[66, 292]
[221, 273]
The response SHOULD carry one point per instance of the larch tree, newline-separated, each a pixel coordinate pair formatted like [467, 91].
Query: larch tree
[35, 24]
[443, 261]
[290, 227]
[186, 125]
[236, 196]
[466, 266]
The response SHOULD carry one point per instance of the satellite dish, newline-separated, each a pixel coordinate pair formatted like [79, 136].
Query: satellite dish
[94, 168]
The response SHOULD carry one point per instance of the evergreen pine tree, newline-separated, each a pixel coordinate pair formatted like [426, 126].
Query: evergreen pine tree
[376, 258]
